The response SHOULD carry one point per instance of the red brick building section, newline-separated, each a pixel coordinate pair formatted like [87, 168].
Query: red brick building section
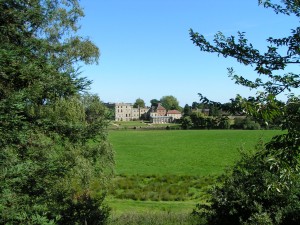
[160, 110]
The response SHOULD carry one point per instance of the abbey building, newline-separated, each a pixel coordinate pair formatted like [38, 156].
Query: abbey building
[158, 114]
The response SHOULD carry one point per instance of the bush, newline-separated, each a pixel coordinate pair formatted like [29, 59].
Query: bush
[85, 210]
[246, 124]
[186, 123]
[252, 193]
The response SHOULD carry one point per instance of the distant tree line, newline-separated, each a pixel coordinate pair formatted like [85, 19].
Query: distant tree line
[217, 116]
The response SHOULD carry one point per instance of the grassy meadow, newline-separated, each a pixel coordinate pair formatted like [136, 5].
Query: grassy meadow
[167, 172]
[181, 152]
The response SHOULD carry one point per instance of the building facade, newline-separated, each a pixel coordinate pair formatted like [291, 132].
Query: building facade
[160, 115]
[175, 114]
[126, 112]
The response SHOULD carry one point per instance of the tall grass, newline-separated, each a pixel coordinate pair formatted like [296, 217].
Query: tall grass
[161, 188]
[157, 218]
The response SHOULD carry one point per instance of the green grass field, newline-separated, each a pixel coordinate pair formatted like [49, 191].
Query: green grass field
[166, 172]
[181, 152]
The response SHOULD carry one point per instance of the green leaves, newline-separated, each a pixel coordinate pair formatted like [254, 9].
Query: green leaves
[169, 102]
[46, 161]
[262, 188]
[271, 64]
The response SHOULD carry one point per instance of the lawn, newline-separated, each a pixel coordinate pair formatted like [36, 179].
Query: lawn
[181, 152]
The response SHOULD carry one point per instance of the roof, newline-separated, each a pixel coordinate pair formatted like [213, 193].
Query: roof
[173, 112]
[160, 107]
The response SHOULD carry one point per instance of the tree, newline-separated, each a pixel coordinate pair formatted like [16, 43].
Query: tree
[195, 105]
[198, 120]
[187, 110]
[271, 172]
[245, 196]
[186, 123]
[224, 123]
[169, 102]
[55, 157]
[139, 103]
[154, 102]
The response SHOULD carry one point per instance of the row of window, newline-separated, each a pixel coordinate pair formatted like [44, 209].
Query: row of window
[121, 106]
[120, 110]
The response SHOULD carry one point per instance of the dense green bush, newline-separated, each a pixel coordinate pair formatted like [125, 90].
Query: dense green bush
[198, 120]
[246, 124]
[251, 194]
[186, 123]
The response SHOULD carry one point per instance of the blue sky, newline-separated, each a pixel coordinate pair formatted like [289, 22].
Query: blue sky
[146, 51]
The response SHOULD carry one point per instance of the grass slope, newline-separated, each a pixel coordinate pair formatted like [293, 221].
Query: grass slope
[181, 152]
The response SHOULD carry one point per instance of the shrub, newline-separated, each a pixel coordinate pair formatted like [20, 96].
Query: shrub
[250, 125]
[246, 124]
[252, 194]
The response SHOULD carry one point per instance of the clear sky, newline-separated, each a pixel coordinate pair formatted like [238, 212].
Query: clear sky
[146, 51]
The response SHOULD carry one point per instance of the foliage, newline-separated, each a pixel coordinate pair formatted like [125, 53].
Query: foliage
[49, 171]
[186, 123]
[224, 123]
[139, 103]
[198, 120]
[154, 102]
[187, 110]
[246, 124]
[169, 102]
[85, 210]
[263, 188]
[247, 195]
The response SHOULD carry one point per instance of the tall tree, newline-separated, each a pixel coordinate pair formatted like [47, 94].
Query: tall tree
[154, 102]
[55, 158]
[169, 102]
[187, 110]
[139, 103]
[272, 172]
[195, 105]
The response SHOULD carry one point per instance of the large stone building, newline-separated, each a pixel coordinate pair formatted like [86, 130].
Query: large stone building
[126, 112]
